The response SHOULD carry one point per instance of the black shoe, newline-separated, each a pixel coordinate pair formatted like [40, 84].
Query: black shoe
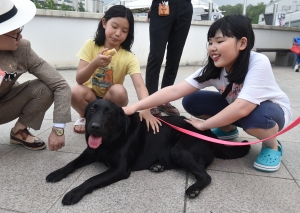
[168, 109]
[155, 112]
[20, 138]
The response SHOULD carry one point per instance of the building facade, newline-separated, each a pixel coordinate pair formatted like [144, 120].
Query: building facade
[95, 6]
[290, 9]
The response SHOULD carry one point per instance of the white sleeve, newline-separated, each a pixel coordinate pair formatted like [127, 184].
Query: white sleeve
[260, 84]
[191, 80]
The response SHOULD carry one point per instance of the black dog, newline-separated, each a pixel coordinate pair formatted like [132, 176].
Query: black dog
[124, 145]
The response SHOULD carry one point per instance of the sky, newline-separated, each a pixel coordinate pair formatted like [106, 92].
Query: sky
[225, 2]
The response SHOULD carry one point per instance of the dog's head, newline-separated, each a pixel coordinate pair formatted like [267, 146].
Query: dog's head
[105, 122]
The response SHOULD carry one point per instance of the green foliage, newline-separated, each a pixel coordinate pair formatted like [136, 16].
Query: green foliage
[37, 4]
[66, 7]
[80, 7]
[50, 4]
[252, 12]
[230, 10]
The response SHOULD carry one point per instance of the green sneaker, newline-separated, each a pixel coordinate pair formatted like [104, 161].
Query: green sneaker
[225, 135]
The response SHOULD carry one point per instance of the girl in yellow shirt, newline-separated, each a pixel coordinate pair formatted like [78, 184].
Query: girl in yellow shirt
[101, 76]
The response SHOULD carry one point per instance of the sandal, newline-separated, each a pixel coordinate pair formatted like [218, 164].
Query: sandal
[268, 159]
[79, 122]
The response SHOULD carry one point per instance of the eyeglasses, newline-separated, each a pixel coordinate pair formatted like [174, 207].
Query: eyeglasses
[18, 34]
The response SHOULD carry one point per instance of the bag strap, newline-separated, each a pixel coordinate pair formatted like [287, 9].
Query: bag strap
[227, 90]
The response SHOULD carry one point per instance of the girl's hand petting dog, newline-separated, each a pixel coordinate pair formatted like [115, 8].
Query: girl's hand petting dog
[150, 120]
[198, 124]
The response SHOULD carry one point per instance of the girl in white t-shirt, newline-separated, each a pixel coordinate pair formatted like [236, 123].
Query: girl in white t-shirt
[102, 76]
[255, 102]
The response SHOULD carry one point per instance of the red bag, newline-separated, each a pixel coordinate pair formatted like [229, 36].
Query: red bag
[295, 49]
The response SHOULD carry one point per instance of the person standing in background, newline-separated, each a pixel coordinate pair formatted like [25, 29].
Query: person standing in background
[170, 27]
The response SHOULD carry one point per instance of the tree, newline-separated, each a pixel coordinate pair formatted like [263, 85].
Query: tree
[230, 10]
[37, 4]
[49, 4]
[66, 7]
[80, 7]
[252, 12]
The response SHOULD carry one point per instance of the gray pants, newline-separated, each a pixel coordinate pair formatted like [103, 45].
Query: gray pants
[29, 105]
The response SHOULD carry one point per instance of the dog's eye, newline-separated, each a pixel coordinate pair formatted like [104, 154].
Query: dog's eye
[92, 110]
[109, 112]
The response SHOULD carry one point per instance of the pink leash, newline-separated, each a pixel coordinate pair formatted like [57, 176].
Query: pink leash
[231, 143]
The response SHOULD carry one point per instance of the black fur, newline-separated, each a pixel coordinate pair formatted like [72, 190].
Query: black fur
[128, 146]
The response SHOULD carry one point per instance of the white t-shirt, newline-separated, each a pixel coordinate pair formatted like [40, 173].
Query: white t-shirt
[259, 85]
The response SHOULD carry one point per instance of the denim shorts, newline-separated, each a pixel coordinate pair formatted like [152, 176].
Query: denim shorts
[264, 116]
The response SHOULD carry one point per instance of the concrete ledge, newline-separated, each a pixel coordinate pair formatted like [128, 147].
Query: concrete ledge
[281, 50]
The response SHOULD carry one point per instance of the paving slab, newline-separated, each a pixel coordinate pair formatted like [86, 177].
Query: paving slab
[233, 192]
[6, 149]
[143, 191]
[22, 179]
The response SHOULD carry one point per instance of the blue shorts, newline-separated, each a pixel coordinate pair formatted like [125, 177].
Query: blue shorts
[264, 116]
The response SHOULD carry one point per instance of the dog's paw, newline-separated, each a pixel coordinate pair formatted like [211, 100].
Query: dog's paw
[192, 192]
[157, 168]
[55, 176]
[73, 196]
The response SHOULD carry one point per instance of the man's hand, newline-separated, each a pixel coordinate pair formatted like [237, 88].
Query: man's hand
[56, 142]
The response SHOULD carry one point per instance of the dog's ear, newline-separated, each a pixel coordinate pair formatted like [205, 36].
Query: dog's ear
[87, 109]
[125, 119]
[127, 122]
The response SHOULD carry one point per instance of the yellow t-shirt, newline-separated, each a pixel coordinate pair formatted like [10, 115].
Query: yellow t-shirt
[122, 63]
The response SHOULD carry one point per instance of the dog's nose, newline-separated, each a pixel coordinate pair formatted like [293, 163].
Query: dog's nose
[95, 126]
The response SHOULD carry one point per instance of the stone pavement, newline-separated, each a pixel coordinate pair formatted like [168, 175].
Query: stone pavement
[236, 186]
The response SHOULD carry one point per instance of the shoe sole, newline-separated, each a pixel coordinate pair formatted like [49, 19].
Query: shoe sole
[229, 137]
[266, 168]
[12, 141]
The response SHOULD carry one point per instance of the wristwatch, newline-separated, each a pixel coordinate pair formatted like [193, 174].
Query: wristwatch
[58, 131]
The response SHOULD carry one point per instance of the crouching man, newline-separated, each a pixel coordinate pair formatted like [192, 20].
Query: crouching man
[30, 100]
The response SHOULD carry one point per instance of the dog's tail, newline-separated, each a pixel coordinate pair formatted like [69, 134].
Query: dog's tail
[230, 152]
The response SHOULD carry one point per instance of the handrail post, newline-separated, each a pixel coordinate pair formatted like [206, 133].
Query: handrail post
[274, 13]
[244, 7]
[210, 6]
